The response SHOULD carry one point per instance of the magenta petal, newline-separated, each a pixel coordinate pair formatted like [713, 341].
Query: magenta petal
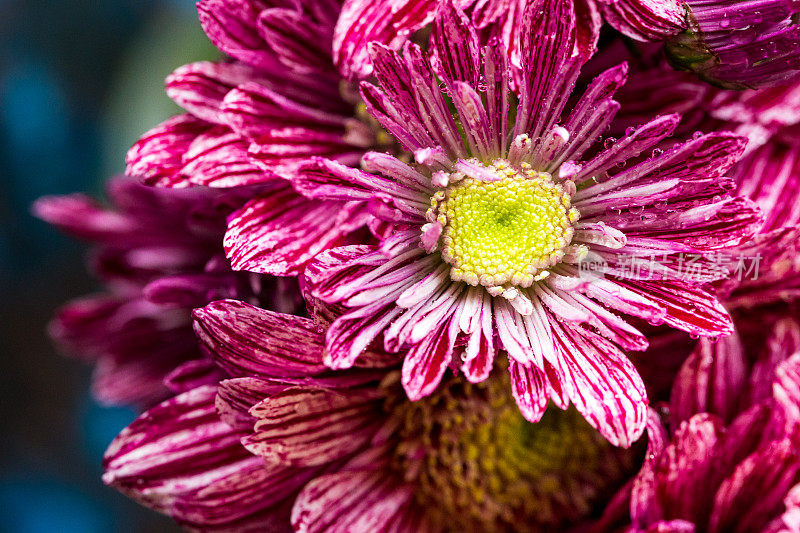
[179, 458]
[233, 332]
[713, 379]
[777, 276]
[307, 427]
[385, 21]
[231, 26]
[236, 396]
[200, 87]
[645, 20]
[786, 389]
[456, 44]
[350, 335]
[356, 501]
[547, 42]
[727, 222]
[220, 158]
[705, 157]
[681, 472]
[82, 217]
[750, 497]
[644, 505]
[157, 156]
[602, 384]
[769, 175]
[474, 118]
[687, 467]
[299, 42]
[640, 139]
[253, 109]
[528, 388]
[278, 234]
[687, 307]
[425, 363]
[781, 344]
[322, 178]
[193, 374]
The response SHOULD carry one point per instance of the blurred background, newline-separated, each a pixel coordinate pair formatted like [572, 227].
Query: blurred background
[79, 81]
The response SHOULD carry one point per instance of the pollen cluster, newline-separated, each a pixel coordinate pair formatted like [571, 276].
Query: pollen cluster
[504, 231]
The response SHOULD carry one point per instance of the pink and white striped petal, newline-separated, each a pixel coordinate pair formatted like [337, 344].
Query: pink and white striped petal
[280, 233]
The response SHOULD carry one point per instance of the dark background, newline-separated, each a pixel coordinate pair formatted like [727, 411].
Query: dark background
[79, 80]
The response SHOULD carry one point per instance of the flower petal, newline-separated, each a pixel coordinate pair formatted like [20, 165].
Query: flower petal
[279, 233]
[713, 380]
[308, 426]
[688, 308]
[235, 332]
[749, 498]
[157, 156]
[528, 389]
[602, 384]
[179, 458]
[231, 26]
[385, 21]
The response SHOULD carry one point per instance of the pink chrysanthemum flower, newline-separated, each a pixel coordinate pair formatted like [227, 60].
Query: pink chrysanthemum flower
[351, 449]
[159, 252]
[493, 221]
[729, 462]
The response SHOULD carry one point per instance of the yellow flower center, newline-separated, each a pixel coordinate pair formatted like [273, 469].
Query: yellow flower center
[505, 231]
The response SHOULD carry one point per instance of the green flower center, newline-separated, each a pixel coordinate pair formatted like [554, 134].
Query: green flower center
[479, 465]
[506, 231]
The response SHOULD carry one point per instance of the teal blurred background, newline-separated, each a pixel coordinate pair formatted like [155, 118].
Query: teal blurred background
[79, 81]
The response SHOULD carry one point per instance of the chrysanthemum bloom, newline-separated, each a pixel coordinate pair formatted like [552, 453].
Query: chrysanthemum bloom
[369, 459]
[731, 43]
[730, 461]
[492, 223]
[160, 254]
